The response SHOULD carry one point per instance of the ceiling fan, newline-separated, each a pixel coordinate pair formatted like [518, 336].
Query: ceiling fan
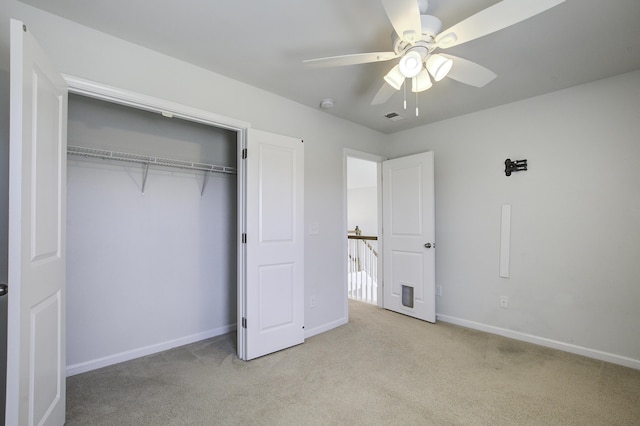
[417, 36]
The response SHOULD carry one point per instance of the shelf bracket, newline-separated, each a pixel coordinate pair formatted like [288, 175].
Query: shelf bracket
[204, 183]
[144, 176]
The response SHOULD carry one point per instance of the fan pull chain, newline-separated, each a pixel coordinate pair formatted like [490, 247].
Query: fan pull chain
[405, 95]
[417, 112]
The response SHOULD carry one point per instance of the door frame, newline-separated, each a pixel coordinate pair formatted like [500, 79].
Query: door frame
[346, 154]
[103, 92]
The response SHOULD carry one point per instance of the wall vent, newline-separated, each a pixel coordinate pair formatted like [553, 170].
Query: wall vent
[394, 116]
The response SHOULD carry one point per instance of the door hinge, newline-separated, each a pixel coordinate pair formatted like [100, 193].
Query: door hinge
[244, 153]
[244, 238]
[244, 322]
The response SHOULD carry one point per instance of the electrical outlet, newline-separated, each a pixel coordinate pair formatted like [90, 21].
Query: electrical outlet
[504, 302]
[314, 228]
[313, 302]
[438, 290]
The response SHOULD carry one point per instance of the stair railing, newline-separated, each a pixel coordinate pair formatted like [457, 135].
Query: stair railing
[362, 267]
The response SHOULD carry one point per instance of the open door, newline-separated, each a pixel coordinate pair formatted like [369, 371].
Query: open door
[37, 218]
[408, 236]
[272, 315]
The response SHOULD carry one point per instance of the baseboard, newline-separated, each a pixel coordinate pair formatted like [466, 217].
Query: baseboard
[325, 327]
[542, 341]
[83, 367]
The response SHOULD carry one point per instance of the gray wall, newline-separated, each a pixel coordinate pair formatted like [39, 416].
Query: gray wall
[575, 235]
[83, 52]
[154, 270]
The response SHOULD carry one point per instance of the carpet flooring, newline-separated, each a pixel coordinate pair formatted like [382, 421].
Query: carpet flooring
[381, 368]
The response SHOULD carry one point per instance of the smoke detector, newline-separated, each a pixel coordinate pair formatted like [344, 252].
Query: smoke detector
[327, 103]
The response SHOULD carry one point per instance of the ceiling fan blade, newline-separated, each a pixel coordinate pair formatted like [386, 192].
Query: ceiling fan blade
[405, 18]
[468, 72]
[357, 58]
[491, 19]
[383, 95]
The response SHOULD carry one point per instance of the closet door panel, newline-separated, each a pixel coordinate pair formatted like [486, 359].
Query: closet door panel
[274, 252]
[37, 242]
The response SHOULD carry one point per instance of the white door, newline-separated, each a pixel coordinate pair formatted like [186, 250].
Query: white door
[273, 314]
[37, 203]
[408, 230]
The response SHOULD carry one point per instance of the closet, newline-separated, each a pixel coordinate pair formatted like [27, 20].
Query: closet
[151, 233]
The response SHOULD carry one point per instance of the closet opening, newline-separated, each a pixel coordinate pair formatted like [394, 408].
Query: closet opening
[151, 234]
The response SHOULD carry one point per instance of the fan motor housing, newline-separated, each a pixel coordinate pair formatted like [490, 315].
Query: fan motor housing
[431, 26]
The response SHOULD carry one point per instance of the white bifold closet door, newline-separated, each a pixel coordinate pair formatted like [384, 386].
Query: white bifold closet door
[37, 241]
[272, 317]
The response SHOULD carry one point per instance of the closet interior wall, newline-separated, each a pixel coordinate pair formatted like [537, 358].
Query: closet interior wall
[146, 271]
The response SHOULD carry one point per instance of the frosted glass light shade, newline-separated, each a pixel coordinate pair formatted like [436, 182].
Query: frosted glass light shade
[411, 64]
[421, 82]
[394, 78]
[438, 66]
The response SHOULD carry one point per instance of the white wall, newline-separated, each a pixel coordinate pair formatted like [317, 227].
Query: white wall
[363, 210]
[151, 271]
[575, 235]
[362, 195]
[89, 54]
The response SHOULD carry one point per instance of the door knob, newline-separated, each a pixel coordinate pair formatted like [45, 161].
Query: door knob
[427, 245]
[4, 289]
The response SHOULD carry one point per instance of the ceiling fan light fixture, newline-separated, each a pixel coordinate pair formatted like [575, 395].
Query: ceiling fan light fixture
[395, 78]
[438, 66]
[411, 64]
[421, 82]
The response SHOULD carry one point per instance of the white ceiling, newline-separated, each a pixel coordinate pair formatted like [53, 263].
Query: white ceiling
[263, 43]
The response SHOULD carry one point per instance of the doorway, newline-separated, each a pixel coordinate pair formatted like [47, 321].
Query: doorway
[151, 244]
[406, 212]
[363, 199]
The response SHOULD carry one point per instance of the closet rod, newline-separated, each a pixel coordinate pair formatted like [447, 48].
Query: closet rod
[147, 160]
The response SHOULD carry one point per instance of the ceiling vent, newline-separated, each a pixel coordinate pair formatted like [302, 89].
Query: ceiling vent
[394, 116]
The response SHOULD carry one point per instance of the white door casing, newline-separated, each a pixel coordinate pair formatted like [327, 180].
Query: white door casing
[274, 250]
[37, 227]
[409, 235]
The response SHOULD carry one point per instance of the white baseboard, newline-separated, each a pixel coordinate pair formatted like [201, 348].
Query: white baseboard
[83, 367]
[542, 341]
[326, 327]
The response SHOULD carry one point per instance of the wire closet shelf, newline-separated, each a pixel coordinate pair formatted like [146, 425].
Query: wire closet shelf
[147, 160]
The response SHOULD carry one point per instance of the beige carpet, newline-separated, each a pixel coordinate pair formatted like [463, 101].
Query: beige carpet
[381, 368]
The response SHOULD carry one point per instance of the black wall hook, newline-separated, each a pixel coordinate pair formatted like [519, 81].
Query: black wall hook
[514, 166]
